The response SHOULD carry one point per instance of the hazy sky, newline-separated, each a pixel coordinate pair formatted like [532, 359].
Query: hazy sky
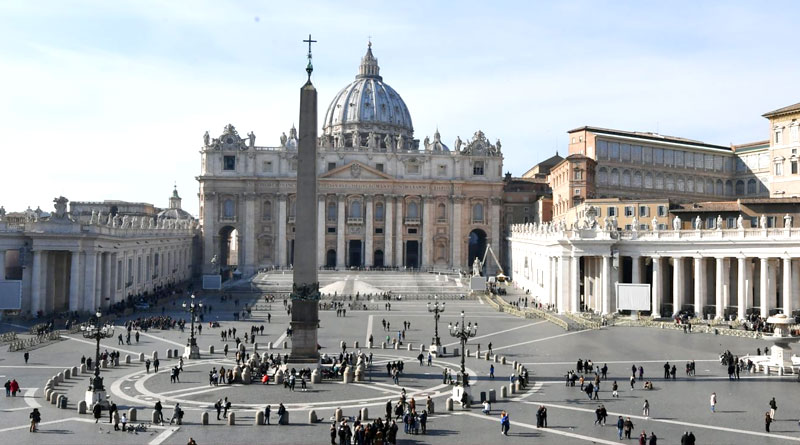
[110, 99]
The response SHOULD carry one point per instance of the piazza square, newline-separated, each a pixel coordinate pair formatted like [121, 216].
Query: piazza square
[377, 266]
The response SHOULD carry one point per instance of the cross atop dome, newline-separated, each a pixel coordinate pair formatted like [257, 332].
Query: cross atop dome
[369, 64]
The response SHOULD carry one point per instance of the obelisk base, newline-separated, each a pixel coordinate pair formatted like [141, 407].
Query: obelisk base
[305, 316]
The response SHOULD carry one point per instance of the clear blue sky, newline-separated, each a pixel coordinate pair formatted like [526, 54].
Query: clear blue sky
[110, 99]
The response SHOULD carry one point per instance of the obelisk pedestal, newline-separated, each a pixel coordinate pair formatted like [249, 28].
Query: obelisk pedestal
[305, 288]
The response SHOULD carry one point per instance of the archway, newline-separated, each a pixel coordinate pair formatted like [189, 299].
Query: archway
[354, 253]
[330, 258]
[378, 258]
[477, 245]
[228, 258]
[412, 254]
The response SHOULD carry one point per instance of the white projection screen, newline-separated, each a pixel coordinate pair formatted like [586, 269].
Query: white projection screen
[11, 295]
[633, 297]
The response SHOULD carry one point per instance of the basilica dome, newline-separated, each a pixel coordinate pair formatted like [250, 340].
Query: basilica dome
[368, 105]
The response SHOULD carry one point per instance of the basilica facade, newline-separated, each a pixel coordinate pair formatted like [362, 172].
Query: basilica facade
[385, 199]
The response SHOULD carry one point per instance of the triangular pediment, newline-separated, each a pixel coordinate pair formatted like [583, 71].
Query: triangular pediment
[355, 171]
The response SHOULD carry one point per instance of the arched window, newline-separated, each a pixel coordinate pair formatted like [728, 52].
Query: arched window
[718, 187]
[379, 211]
[637, 179]
[615, 176]
[648, 180]
[709, 187]
[679, 184]
[441, 212]
[228, 209]
[659, 181]
[728, 188]
[331, 211]
[477, 213]
[413, 209]
[602, 176]
[267, 210]
[626, 178]
[698, 185]
[355, 209]
[739, 188]
[293, 207]
[689, 185]
[670, 182]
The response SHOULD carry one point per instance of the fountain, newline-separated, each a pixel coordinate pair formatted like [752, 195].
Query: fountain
[780, 356]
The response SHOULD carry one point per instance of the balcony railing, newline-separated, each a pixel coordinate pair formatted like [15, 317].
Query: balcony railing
[351, 220]
[412, 221]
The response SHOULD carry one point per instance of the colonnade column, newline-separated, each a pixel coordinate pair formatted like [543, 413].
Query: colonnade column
[398, 235]
[699, 286]
[340, 228]
[388, 226]
[563, 284]
[36, 282]
[764, 287]
[720, 288]
[98, 279]
[249, 236]
[741, 290]
[636, 269]
[677, 284]
[321, 248]
[368, 250]
[281, 229]
[574, 284]
[426, 231]
[657, 286]
[107, 283]
[74, 281]
[772, 284]
[89, 304]
[455, 226]
[787, 286]
[587, 283]
[2, 265]
[605, 279]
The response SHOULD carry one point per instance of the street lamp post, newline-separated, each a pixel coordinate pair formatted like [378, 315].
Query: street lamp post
[436, 309]
[96, 392]
[463, 332]
[192, 350]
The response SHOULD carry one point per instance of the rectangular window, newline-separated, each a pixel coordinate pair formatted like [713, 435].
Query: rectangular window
[730, 222]
[669, 157]
[477, 168]
[442, 170]
[662, 227]
[379, 167]
[266, 166]
[754, 222]
[379, 230]
[678, 158]
[577, 192]
[612, 211]
[578, 175]
[770, 222]
[331, 166]
[412, 231]
[628, 227]
[794, 167]
[647, 154]
[644, 227]
[778, 169]
[331, 229]
[662, 211]
[711, 223]
[778, 135]
[644, 211]
[629, 211]
[229, 163]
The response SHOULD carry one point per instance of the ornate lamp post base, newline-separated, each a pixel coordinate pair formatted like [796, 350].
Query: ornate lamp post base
[192, 352]
[96, 396]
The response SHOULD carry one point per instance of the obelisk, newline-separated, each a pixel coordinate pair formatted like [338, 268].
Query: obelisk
[305, 286]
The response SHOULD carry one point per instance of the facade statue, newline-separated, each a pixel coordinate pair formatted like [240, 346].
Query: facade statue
[283, 139]
[94, 217]
[740, 222]
[763, 221]
[457, 144]
[635, 224]
[206, 139]
[389, 141]
[787, 221]
[251, 137]
[2, 213]
[427, 143]
[371, 140]
[292, 133]
[125, 220]
[719, 222]
[654, 224]
[110, 221]
[698, 223]
[676, 223]
[356, 139]
[150, 224]
[99, 220]
[401, 144]
[476, 267]
[498, 145]
[60, 205]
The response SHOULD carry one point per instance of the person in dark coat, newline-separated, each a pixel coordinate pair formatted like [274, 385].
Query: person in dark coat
[97, 411]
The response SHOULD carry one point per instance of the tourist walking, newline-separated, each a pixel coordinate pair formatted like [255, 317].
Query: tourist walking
[713, 402]
[620, 426]
[97, 411]
[767, 421]
[628, 427]
[36, 417]
[505, 423]
[773, 408]
[26, 356]
[646, 410]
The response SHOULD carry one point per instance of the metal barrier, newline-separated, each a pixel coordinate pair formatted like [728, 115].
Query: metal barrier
[35, 341]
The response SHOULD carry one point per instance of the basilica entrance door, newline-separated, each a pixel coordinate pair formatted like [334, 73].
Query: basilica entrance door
[330, 258]
[354, 253]
[412, 254]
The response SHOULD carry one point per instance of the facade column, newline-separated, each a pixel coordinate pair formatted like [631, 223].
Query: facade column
[563, 284]
[426, 230]
[772, 283]
[677, 284]
[36, 282]
[368, 249]
[497, 228]
[340, 228]
[720, 288]
[699, 286]
[388, 226]
[552, 294]
[657, 287]
[605, 286]
[574, 284]
[741, 290]
[249, 240]
[321, 247]
[2, 265]
[787, 286]
[455, 228]
[399, 233]
[281, 229]
[636, 269]
[750, 269]
[587, 283]
[74, 281]
[98, 280]
[764, 288]
[107, 283]
[89, 278]
[795, 296]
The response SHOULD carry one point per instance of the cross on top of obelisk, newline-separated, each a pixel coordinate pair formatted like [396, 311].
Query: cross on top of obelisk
[309, 68]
